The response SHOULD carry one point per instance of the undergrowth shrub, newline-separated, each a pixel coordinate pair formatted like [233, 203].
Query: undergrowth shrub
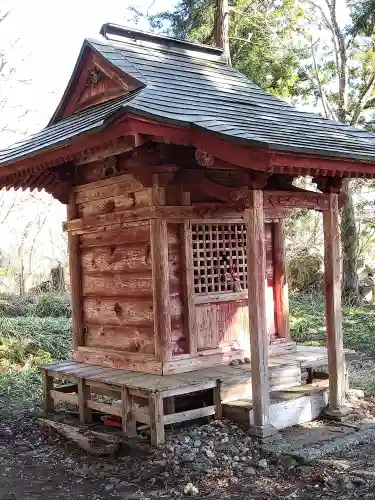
[307, 321]
[19, 390]
[25, 343]
[305, 271]
[12, 306]
[52, 305]
[41, 305]
[32, 340]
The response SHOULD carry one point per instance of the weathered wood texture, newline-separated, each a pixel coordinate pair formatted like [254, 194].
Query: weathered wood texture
[117, 289]
[223, 323]
[131, 361]
[270, 281]
[280, 281]
[116, 272]
[332, 276]
[161, 290]
[256, 272]
[286, 410]
[187, 270]
[176, 287]
[205, 211]
[155, 402]
[107, 190]
[75, 273]
[226, 322]
[135, 233]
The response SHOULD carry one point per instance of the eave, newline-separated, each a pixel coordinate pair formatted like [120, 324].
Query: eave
[26, 172]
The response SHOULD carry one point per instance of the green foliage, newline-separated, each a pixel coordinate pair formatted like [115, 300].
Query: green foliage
[52, 305]
[40, 305]
[305, 271]
[308, 326]
[25, 343]
[25, 340]
[263, 41]
[363, 16]
[20, 390]
[13, 306]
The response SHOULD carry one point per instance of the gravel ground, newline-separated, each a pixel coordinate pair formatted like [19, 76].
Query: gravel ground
[217, 460]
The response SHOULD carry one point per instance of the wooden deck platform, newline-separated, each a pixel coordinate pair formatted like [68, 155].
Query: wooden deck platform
[149, 399]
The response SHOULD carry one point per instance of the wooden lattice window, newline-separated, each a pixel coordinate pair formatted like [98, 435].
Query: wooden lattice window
[219, 257]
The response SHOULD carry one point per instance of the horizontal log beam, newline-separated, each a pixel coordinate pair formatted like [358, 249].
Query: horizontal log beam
[280, 200]
[277, 204]
[118, 146]
[131, 361]
[174, 214]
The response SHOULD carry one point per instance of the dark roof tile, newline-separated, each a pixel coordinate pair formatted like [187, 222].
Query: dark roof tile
[190, 89]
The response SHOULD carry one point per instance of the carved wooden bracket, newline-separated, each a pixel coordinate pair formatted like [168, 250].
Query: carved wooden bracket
[95, 76]
[204, 159]
[295, 199]
[109, 167]
[147, 161]
[198, 180]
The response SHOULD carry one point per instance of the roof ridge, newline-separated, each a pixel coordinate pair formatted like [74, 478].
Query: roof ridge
[124, 34]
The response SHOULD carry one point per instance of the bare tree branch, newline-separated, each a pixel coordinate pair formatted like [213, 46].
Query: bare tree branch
[363, 100]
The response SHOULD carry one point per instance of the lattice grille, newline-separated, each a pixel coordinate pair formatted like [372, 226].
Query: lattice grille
[219, 258]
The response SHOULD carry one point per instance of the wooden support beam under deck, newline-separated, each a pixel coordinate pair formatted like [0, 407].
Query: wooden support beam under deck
[332, 278]
[256, 276]
[281, 284]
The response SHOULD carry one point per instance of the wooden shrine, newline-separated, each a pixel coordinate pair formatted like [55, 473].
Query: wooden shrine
[178, 173]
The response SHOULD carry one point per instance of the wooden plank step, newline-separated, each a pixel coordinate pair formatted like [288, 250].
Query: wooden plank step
[53, 366]
[61, 367]
[287, 408]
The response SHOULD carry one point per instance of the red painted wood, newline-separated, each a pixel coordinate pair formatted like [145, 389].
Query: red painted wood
[234, 153]
[228, 322]
[244, 156]
[81, 96]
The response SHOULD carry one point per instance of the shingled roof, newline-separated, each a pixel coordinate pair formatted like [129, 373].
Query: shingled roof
[189, 85]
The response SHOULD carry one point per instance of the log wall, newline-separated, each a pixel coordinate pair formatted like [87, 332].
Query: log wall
[116, 270]
[120, 265]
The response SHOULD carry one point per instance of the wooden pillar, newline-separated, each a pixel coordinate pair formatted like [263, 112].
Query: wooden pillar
[160, 275]
[217, 400]
[190, 320]
[47, 388]
[84, 394]
[332, 279]
[256, 276]
[155, 401]
[75, 277]
[129, 425]
[281, 284]
[161, 294]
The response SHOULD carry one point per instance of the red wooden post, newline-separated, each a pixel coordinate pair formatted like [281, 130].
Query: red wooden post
[75, 273]
[332, 269]
[256, 276]
[281, 285]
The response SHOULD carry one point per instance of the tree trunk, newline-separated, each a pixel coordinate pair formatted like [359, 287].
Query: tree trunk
[222, 28]
[349, 240]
